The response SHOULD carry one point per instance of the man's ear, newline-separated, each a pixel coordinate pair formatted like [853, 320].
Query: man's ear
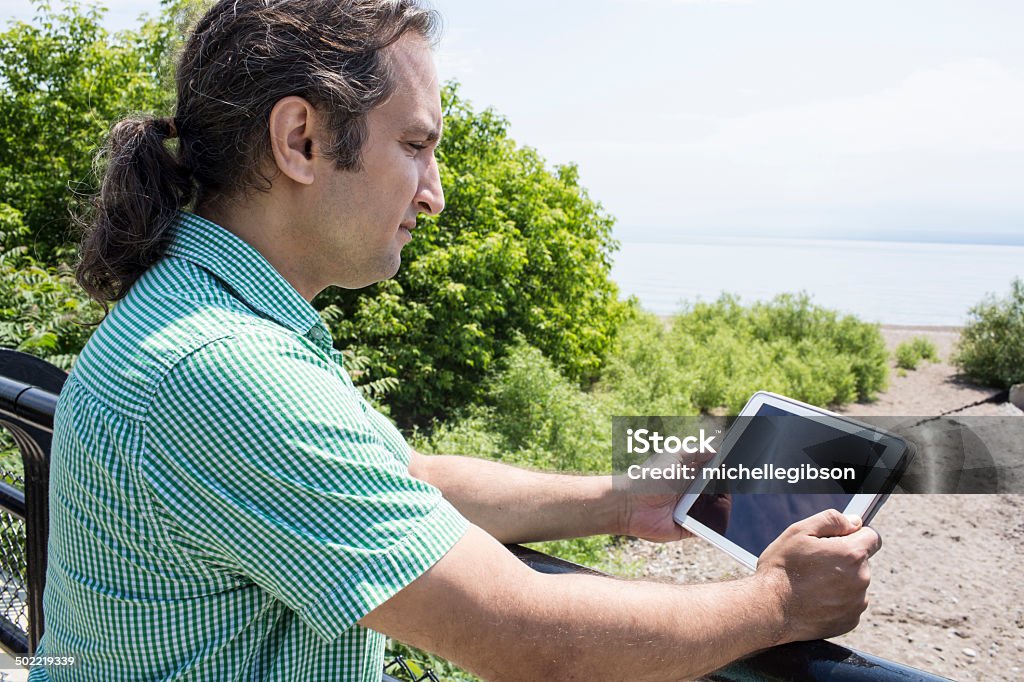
[293, 123]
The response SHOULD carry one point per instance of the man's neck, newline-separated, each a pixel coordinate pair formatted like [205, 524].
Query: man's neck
[258, 222]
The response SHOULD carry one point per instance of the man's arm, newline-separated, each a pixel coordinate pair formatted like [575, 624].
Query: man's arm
[518, 505]
[483, 609]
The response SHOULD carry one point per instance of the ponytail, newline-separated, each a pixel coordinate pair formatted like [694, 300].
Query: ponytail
[143, 187]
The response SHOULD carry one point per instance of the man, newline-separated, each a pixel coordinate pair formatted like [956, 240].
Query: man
[225, 505]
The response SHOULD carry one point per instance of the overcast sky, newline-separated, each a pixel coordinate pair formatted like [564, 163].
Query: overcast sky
[867, 118]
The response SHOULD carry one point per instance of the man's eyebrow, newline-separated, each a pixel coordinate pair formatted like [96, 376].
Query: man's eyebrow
[421, 132]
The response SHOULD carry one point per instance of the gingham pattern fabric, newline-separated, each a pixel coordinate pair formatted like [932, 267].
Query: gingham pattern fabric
[224, 505]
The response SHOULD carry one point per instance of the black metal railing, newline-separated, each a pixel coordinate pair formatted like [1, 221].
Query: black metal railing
[28, 396]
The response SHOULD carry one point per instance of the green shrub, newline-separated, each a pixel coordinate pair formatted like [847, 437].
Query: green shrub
[643, 375]
[531, 415]
[991, 347]
[787, 345]
[545, 417]
[909, 354]
[862, 346]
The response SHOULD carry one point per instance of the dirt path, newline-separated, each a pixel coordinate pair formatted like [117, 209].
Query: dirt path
[947, 593]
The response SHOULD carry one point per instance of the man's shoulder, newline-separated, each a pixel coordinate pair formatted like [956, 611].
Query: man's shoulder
[172, 312]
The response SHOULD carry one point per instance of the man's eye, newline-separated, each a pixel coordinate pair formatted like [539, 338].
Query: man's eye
[417, 146]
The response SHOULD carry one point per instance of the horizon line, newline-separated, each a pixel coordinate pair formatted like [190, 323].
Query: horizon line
[979, 240]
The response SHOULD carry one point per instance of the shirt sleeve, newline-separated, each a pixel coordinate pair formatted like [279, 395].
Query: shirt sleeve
[268, 465]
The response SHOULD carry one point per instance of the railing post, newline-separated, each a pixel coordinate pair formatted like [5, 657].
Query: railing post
[28, 398]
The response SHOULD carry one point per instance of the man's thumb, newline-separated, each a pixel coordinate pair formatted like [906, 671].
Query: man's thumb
[831, 522]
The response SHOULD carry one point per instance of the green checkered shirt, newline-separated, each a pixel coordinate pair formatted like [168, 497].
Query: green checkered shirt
[224, 505]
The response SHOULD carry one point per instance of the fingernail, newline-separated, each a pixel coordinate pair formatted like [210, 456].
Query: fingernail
[854, 519]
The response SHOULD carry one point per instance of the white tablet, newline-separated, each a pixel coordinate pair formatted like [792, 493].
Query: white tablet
[782, 461]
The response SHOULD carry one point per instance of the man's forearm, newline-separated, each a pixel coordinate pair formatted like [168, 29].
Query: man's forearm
[646, 631]
[506, 622]
[518, 505]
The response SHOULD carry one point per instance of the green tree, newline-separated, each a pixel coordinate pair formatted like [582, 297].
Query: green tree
[520, 250]
[64, 79]
[43, 311]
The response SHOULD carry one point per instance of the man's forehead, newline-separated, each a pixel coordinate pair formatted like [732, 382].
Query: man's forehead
[411, 55]
[415, 105]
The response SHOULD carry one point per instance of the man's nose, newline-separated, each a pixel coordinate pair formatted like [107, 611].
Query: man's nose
[430, 197]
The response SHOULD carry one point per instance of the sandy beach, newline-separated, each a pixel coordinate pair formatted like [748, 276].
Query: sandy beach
[947, 594]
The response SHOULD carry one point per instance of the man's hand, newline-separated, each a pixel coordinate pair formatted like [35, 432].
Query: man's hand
[647, 514]
[649, 517]
[818, 570]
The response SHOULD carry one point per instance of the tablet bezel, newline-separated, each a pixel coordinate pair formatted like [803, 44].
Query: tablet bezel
[892, 459]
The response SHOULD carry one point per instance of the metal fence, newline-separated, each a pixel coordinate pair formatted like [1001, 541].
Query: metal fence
[28, 395]
[13, 563]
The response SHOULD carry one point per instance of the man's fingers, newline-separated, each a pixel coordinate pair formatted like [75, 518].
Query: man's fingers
[866, 538]
[829, 523]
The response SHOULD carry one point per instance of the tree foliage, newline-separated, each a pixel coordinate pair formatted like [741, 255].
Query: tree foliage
[42, 309]
[64, 80]
[520, 250]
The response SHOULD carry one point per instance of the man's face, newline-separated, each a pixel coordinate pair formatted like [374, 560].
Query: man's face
[363, 218]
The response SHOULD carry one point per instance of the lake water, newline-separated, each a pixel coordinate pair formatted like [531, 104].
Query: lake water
[887, 282]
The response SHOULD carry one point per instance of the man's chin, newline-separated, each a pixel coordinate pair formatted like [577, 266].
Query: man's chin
[396, 265]
[386, 269]
[383, 274]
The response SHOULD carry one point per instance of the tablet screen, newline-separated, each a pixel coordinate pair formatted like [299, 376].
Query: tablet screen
[752, 513]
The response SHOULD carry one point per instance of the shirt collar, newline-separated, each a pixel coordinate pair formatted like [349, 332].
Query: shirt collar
[245, 271]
